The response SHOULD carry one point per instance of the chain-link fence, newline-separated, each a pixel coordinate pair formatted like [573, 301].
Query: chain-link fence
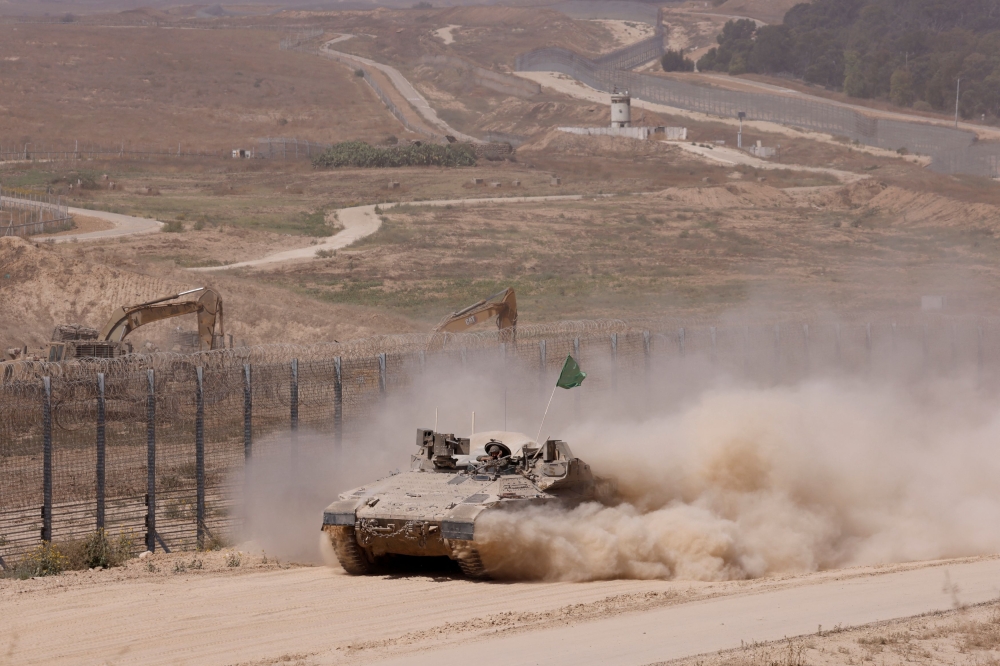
[25, 213]
[37, 151]
[158, 444]
[951, 150]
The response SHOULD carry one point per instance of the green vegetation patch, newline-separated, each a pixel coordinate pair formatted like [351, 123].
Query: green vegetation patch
[361, 154]
[911, 52]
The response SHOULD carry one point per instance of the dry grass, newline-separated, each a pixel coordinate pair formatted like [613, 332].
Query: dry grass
[963, 636]
[693, 250]
[207, 89]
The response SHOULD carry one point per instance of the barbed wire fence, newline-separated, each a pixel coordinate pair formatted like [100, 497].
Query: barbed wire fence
[159, 444]
[14, 151]
[298, 39]
[25, 213]
[951, 150]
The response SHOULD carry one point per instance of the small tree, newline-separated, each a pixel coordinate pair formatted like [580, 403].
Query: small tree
[674, 61]
[901, 87]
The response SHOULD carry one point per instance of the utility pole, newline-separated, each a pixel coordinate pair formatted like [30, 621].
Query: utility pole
[958, 86]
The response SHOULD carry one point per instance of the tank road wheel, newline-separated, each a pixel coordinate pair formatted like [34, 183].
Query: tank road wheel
[471, 563]
[350, 554]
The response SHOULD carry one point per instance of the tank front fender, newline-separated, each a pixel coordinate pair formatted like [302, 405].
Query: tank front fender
[460, 522]
[342, 512]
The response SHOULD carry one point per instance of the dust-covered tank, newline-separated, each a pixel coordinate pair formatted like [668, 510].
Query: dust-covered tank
[431, 510]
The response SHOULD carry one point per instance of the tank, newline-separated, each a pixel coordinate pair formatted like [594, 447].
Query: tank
[431, 510]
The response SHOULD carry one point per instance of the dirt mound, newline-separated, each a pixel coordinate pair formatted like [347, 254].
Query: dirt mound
[555, 141]
[741, 195]
[43, 285]
[907, 206]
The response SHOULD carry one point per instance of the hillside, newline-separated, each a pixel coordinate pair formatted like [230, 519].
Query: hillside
[45, 285]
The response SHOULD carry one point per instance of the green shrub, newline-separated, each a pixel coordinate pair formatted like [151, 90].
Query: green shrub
[97, 550]
[173, 227]
[43, 560]
[674, 61]
[361, 154]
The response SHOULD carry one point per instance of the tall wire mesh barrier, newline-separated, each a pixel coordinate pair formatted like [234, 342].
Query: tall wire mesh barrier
[24, 213]
[158, 444]
[951, 150]
[16, 151]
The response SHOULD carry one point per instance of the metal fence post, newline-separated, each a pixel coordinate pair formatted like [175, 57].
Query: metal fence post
[954, 348]
[47, 460]
[777, 352]
[541, 365]
[979, 350]
[294, 395]
[868, 344]
[926, 345]
[338, 403]
[805, 348]
[836, 342]
[576, 394]
[151, 463]
[614, 361]
[199, 457]
[247, 414]
[381, 374]
[746, 351]
[100, 450]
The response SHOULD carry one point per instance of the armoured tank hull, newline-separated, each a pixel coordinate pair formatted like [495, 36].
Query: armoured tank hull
[431, 510]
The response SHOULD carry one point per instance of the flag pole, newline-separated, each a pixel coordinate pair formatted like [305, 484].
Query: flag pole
[545, 414]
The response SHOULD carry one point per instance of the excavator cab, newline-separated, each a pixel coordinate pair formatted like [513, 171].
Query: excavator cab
[71, 341]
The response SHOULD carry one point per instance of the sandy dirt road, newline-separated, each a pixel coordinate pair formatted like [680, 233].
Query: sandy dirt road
[416, 100]
[567, 85]
[122, 225]
[361, 221]
[319, 615]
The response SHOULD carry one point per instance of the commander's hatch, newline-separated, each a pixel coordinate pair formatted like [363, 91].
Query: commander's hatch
[552, 450]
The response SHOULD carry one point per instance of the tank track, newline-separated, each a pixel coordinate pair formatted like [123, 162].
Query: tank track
[350, 554]
[471, 564]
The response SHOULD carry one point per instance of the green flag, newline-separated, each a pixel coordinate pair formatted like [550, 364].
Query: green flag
[571, 375]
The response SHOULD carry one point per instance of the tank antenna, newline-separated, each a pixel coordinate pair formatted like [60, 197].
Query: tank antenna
[505, 409]
[473, 423]
[435, 419]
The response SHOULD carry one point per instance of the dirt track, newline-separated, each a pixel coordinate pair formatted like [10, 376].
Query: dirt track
[319, 615]
[361, 221]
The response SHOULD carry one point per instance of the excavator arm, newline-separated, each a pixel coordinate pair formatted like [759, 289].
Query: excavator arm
[501, 305]
[208, 307]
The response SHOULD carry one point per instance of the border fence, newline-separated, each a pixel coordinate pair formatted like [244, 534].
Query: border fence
[951, 150]
[158, 444]
[282, 148]
[26, 213]
[64, 152]
[389, 104]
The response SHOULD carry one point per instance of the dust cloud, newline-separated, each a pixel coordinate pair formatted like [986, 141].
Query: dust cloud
[745, 482]
[718, 479]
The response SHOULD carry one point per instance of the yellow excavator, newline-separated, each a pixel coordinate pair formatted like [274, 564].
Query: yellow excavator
[501, 305]
[72, 341]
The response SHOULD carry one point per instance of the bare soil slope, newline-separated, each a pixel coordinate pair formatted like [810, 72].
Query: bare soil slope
[41, 286]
